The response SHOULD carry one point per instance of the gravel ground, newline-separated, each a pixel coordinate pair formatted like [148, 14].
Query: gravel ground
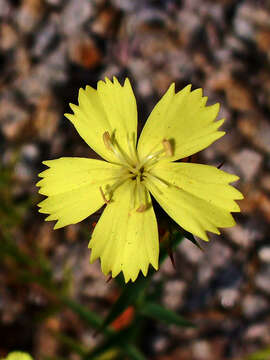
[48, 50]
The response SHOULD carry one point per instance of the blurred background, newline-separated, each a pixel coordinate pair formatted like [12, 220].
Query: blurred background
[51, 48]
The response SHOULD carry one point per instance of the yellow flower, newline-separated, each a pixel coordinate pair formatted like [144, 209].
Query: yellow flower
[197, 197]
[18, 355]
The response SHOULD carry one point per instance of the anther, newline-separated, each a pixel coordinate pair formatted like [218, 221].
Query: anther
[107, 140]
[141, 208]
[167, 147]
[103, 196]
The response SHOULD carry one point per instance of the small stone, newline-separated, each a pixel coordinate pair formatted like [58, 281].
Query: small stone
[265, 181]
[201, 350]
[264, 254]
[45, 37]
[257, 331]
[72, 232]
[229, 297]
[46, 75]
[160, 343]
[75, 14]
[227, 144]
[29, 14]
[5, 9]
[264, 205]
[104, 24]
[13, 119]
[253, 305]
[46, 117]
[84, 52]
[257, 129]
[239, 97]
[263, 136]
[173, 296]
[243, 28]
[45, 342]
[190, 251]
[248, 162]
[97, 289]
[29, 153]
[22, 62]
[8, 37]
[263, 40]
[46, 237]
[125, 5]
[244, 235]
[262, 279]
[55, 2]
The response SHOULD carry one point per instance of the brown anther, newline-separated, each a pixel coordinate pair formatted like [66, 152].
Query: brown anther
[107, 140]
[167, 147]
[221, 164]
[141, 208]
[103, 196]
[109, 279]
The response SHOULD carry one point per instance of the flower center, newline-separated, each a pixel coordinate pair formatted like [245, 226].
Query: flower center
[134, 169]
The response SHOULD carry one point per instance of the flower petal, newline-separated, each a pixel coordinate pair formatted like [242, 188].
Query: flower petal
[124, 239]
[184, 120]
[73, 188]
[111, 108]
[196, 196]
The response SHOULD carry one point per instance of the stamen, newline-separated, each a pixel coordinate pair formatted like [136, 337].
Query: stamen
[167, 147]
[155, 186]
[141, 198]
[141, 208]
[103, 196]
[150, 158]
[156, 178]
[153, 158]
[132, 147]
[121, 156]
[107, 140]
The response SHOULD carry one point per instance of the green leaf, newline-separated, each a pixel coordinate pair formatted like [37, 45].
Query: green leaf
[85, 314]
[115, 341]
[260, 355]
[133, 353]
[70, 343]
[133, 293]
[130, 295]
[174, 241]
[167, 316]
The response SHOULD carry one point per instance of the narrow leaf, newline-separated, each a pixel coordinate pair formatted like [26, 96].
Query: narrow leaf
[167, 316]
[128, 297]
[133, 353]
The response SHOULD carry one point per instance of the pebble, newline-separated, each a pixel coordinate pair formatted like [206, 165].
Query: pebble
[190, 251]
[5, 9]
[229, 297]
[46, 37]
[249, 162]
[257, 129]
[253, 305]
[83, 51]
[29, 15]
[8, 37]
[74, 15]
[13, 119]
[257, 331]
[201, 350]
[173, 295]
[264, 254]
[46, 117]
[262, 279]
